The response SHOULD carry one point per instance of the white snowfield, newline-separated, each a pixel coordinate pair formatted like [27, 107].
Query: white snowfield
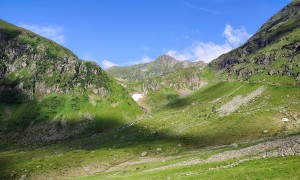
[136, 97]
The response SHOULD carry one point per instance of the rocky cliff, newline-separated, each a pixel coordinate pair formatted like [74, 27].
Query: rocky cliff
[272, 51]
[39, 67]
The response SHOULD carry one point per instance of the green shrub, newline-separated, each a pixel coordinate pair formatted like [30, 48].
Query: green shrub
[75, 103]
[53, 104]
[28, 40]
[51, 53]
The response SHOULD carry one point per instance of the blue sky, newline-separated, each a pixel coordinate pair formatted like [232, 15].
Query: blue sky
[126, 32]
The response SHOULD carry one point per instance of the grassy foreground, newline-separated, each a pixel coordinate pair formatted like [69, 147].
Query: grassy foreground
[271, 168]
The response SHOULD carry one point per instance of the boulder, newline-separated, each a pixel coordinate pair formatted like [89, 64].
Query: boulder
[23, 177]
[144, 154]
[265, 131]
[159, 150]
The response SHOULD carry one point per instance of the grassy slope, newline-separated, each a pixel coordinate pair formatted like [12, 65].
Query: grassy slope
[199, 120]
[191, 122]
[271, 168]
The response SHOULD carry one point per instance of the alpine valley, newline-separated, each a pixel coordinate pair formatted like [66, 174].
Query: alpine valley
[237, 117]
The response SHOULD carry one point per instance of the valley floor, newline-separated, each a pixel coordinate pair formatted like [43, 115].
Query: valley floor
[255, 137]
[238, 161]
[272, 158]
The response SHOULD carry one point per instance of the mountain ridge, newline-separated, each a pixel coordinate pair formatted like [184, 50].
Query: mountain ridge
[43, 84]
[161, 65]
[272, 51]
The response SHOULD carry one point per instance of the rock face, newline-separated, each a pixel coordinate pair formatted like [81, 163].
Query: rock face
[164, 64]
[273, 50]
[38, 66]
[47, 85]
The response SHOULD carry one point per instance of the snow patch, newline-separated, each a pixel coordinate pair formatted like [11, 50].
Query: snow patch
[285, 120]
[136, 97]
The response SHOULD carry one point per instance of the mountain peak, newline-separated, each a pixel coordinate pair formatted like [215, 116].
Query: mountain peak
[165, 56]
[166, 60]
[162, 65]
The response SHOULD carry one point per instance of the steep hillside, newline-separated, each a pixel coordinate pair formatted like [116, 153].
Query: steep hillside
[272, 54]
[45, 88]
[162, 65]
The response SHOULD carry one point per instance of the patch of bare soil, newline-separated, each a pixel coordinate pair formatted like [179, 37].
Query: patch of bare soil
[238, 101]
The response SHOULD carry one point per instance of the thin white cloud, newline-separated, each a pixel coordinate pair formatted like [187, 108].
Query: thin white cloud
[235, 37]
[206, 10]
[55, 33]
[107, 64]
[86, 56]
[146, 48]
[207, 51]
[179, 55]
[143, 60]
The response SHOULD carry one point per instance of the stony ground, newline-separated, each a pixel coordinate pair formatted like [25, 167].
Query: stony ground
[272, 148]
[238, 101]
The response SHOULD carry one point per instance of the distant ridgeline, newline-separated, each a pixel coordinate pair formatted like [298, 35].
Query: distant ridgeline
[162, 80]
[163, 65]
